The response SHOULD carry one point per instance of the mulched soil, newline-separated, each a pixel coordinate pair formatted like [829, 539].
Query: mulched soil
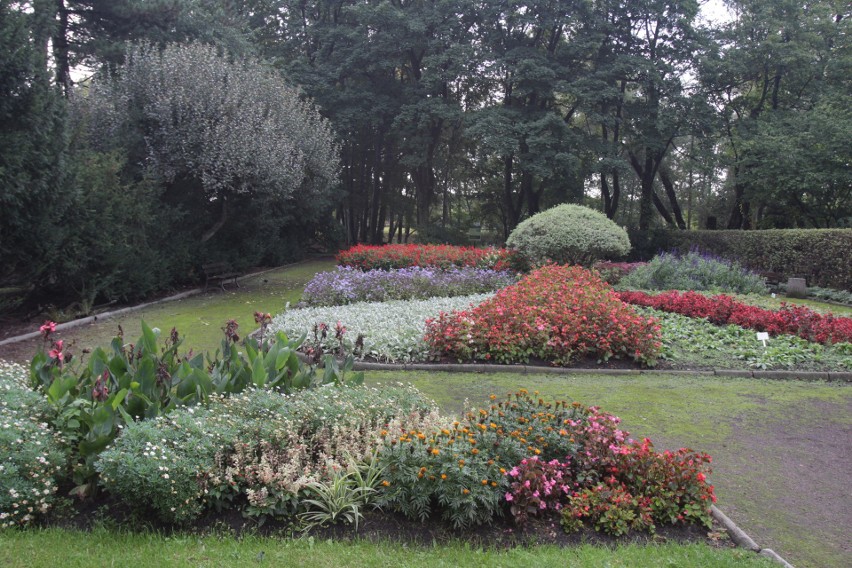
[384, 526]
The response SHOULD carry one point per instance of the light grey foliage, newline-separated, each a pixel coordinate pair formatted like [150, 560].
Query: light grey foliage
[235, 126]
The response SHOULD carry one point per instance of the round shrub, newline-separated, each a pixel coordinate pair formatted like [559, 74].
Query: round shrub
[568, 234]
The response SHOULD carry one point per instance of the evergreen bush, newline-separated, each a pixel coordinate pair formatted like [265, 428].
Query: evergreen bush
[569, 234]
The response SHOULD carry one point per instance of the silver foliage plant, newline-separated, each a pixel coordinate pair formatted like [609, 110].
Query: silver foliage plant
[234, 125]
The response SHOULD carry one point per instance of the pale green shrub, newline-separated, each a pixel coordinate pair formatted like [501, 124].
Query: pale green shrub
[568, 234]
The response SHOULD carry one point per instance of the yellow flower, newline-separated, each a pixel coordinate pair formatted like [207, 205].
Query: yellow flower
[443, 476]
[435, 451]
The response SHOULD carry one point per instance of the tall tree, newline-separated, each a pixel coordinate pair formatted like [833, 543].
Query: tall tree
[781, 75]
[33, 196]
[213, 130]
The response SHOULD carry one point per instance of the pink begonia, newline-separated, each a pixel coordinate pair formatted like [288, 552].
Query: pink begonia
[509, 497]
[543, 505]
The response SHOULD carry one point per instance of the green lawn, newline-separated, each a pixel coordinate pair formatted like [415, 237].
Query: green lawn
[51, 548]
[200, 318]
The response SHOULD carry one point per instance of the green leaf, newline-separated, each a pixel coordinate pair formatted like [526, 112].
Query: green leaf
[119, 398]
[149, 339]
[259, 375]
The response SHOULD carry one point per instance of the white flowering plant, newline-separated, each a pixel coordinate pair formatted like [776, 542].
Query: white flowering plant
[258, 451]
[32, 456]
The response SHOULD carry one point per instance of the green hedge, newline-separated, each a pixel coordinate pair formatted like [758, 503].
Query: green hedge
[820, 255]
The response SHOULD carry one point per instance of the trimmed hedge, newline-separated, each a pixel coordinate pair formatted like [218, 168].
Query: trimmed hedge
[820, 255]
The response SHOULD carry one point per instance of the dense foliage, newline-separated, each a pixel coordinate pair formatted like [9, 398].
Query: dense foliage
[93, 401]
[568, 234]
[455, 119]
[366, 257]
[347, 285]
[694, 270]
[722, 309]
[822, 255]
[258, 452]
[556, 313]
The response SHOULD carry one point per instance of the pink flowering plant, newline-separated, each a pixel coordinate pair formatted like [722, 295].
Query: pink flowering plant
[538, 487]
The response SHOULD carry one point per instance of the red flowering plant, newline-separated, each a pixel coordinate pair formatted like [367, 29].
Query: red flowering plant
[556, 313]
[386, 257]
[722, 309]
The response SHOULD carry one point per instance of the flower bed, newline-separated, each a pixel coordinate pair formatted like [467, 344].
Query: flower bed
[694, 270]
[369, 257]
[392, 331]
[542, 458]
[347, 285]
[556, 313]
[722, 309]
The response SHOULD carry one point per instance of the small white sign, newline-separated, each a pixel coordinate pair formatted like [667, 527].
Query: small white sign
[773, 294]
[763, 337]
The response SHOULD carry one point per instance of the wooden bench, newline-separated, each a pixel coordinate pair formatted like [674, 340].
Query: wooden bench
[220, 272]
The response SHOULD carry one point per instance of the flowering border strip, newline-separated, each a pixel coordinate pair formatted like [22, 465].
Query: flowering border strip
[723, 309]
[385, 257]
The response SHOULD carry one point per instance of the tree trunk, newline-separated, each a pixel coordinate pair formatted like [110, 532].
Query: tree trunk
[670, 193]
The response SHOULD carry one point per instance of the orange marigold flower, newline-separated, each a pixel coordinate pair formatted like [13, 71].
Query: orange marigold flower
[386, 483]
[465, 491]
[484, 482]
[435, 451]
[443, 476]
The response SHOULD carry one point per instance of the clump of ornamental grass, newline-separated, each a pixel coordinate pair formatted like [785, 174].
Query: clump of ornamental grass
[694, 271]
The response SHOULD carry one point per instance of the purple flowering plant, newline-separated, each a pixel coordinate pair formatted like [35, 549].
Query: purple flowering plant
[347, 285]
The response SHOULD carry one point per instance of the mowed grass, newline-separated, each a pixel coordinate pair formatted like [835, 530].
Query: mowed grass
[200, 318]
[69, 549]
[762, 435]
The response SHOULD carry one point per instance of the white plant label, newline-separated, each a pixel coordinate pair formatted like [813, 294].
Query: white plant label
[763, 337]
